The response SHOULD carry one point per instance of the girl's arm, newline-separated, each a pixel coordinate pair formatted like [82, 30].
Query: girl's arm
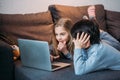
[68, 56]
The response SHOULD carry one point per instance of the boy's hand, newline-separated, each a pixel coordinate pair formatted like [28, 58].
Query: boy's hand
[82, 41]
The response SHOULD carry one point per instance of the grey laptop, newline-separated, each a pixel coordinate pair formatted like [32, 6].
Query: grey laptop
[36, 54]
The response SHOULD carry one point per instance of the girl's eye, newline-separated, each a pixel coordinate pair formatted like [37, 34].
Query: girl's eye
[62, 33]
[56, 34]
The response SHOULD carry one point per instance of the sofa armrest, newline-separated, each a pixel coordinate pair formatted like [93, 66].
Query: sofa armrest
[6, 62]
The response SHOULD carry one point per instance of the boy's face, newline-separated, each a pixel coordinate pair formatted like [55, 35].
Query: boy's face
[61, 34]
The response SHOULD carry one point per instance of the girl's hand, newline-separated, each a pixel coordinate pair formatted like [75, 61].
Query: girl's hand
[62, 47]
[82, 41]
[54, 57]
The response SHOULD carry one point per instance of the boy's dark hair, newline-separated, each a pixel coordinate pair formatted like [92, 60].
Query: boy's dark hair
[88, 26]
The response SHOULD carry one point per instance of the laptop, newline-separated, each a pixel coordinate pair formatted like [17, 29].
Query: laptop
[35, 54]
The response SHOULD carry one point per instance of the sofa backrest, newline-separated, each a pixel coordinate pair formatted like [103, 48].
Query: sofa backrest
[39, 26]
[113, 23]
[36, 26]
[76, 13]
[108, 20]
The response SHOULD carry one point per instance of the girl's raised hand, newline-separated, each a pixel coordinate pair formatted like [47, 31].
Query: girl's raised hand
[61, 46]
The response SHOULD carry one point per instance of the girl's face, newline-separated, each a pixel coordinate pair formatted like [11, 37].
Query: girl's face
[61, 34]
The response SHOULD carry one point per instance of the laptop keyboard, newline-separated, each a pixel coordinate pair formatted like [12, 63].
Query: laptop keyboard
[54, 66]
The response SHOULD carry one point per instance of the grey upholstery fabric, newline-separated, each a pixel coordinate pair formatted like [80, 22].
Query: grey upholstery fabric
[25, 73]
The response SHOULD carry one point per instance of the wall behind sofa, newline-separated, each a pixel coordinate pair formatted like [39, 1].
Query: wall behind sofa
[33, 6]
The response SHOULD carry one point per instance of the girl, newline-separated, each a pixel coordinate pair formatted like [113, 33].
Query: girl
[62, 45]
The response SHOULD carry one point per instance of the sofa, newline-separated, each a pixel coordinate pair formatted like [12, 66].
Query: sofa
[38, 26]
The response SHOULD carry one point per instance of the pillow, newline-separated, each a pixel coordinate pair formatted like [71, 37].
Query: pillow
[30, 26]
[113, 23]
[76, 13]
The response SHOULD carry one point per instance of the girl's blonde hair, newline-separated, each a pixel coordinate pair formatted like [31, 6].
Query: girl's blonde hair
[67, 24]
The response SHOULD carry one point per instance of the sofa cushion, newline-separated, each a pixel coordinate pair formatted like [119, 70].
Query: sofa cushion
[113, 23]
[30, 26]
[76, 13]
